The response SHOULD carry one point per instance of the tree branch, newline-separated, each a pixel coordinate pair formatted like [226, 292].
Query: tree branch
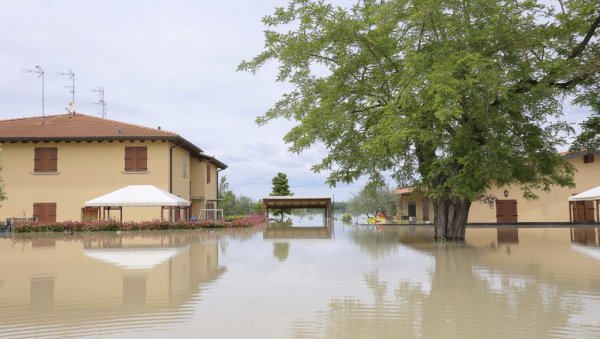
[588, 36]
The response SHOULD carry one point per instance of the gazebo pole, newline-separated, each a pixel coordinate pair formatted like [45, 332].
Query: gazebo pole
[121, 213]
[162, 210]
[570, 211]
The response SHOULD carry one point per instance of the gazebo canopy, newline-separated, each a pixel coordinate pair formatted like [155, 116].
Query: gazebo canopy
[138, 196]
[589, 195]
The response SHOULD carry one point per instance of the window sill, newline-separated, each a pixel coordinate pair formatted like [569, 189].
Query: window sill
[46, 173]
[135, 172]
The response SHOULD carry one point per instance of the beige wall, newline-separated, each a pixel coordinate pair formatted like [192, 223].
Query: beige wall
[88, 170]
[550, 207]
[402, 208]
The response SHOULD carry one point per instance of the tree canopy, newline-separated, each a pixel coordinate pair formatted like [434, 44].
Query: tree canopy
[281, 187]
[449, 96]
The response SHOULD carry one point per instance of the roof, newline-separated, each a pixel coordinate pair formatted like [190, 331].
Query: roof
[404, 190]
[77, 126]
[570, 155]
[296, 202]
[212, 160]
[590, 195]
[138, 196]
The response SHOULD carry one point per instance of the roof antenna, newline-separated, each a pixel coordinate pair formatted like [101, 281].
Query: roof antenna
[38, 70]
[100, 91]
[71, 76]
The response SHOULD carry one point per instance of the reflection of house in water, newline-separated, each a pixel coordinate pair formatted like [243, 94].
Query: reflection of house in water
[66, 285]
[507, 235]
[585, 236]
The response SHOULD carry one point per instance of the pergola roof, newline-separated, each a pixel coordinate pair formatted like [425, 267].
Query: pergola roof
[589, 195]
[296, 202]
[138, 196]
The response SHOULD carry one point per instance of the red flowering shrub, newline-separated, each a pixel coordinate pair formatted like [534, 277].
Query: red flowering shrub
[111, 225]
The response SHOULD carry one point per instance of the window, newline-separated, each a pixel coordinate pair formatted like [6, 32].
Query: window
[208, 174]
[136, 159]
[45, 159]
[44, 212]
[588, 158]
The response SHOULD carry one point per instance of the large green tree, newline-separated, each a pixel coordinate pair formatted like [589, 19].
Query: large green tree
[450, 96]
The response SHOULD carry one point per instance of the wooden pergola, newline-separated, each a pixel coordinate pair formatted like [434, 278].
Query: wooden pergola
[581, 206]
[285, 202]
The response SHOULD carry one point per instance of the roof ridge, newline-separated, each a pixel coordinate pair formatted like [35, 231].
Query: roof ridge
[127, 123]
[35, 117]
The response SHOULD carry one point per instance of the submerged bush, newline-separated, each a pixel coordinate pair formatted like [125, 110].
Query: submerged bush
[112, 225]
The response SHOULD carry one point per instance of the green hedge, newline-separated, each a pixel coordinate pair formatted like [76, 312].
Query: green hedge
[111, 225]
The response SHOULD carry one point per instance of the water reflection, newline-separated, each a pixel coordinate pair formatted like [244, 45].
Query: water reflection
[287, 281]
[109, 280]
[476, 290]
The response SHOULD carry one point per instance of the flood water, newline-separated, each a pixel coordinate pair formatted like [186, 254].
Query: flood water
[342, 281]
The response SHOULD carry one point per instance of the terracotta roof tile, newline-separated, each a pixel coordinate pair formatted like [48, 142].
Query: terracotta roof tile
[404, 190]
[75, 126]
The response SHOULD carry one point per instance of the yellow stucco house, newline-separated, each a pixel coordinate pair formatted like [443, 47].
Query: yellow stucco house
[510, 206]
[53, 165]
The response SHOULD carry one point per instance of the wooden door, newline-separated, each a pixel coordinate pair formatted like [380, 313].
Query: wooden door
[90, 213]
[589, 211]
[506, 211]
[44, 212]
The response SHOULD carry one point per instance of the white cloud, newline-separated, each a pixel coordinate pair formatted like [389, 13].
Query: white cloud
[162, 63]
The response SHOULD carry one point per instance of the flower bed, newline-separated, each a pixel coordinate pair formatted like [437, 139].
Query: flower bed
[111, 225]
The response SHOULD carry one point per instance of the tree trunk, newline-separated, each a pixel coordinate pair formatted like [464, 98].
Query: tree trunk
[451, 218]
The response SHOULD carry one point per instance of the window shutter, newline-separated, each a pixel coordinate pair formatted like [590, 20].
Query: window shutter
[51, 212]
[129, 159]
[52, 156]
[38, 211]
[38, 158]
[142, 159]
[207, 173]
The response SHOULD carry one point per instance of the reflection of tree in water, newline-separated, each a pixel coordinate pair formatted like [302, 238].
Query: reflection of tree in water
[379, 241]
[466, 300]
[281, 223]
[281, 250]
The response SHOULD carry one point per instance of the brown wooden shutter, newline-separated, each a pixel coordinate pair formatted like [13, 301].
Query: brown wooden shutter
[38, 211]
[142, 159]
[129, 159]
[207, 173]
[52, 159]
[51, 212]
[589, 211]
[38, 158]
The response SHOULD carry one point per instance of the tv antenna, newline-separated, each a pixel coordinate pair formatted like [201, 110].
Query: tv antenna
[71, 76]
[100, 91]
[40, 72]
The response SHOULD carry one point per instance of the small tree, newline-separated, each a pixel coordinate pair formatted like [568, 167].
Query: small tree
[281, 187]
[226, 196]
[373, 198]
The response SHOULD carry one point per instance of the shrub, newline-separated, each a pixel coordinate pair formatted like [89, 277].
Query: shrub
[111, 225]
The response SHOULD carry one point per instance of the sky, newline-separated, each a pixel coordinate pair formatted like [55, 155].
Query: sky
[163, 63]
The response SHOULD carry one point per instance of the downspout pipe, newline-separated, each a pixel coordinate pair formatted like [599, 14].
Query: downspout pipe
[171, 166]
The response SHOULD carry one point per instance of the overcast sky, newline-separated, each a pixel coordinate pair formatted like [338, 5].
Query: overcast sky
[162, 63]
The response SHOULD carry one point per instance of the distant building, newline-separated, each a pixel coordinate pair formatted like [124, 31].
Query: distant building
[510, 206]
[51, 166]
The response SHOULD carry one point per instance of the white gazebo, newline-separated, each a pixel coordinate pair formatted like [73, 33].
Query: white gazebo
[583, 202]
[139, 196]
